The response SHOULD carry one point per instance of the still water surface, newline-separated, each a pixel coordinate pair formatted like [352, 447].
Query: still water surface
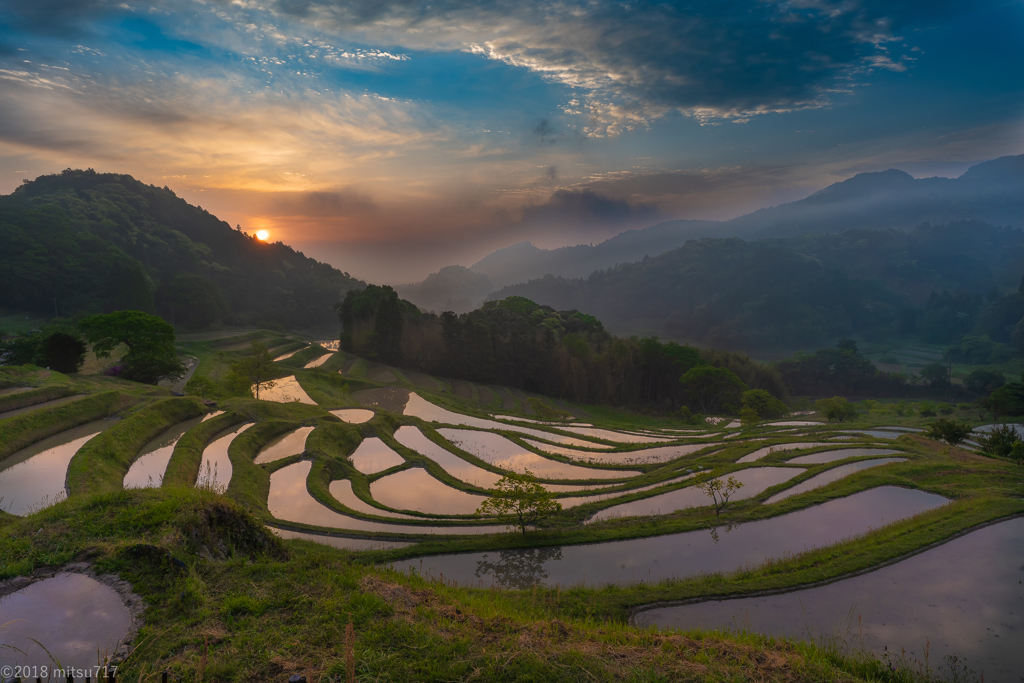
[964, 597]
[284, 446]
[148, 469]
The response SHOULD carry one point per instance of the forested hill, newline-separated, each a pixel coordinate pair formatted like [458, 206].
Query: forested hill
[98, 242]
[802, 292]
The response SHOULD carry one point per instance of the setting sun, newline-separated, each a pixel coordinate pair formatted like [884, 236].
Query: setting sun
[262, 235]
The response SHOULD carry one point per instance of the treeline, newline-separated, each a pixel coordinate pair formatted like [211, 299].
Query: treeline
[87, 242]
[518, 343]
[938, 283]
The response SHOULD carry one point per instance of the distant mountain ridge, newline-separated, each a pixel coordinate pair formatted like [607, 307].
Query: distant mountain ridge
[991, 191]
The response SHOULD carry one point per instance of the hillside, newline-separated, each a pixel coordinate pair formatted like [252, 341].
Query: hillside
[802, 292]
[991, 192]
[87, 242]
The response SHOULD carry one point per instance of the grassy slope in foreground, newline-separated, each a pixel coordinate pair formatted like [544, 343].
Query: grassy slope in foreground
[264, 615]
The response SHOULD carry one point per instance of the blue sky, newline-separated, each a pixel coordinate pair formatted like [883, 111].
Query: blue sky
[394, 137]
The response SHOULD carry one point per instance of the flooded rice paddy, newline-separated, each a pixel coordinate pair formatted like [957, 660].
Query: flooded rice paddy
[284, 446]
[36, 477]
[210, 416]
[609, 435]
[290, 501]
[413, 439]
[356, 416]
[646, 456]
[289, 354]
[965, 597]
[832, 456]
[215, 469]
[340, 542]
[285, 390]
[415, 489]
[373, 455]
[496, 450]
[148, 469]
[72, 615]
[834, 474]
[341, 490]
[754, 480]
[724, 549]
[317, 362]
[778, 448]
[39, 406]
[596, 497]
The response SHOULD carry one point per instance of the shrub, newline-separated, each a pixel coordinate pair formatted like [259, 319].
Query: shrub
[950, 431]
[836, 409]
[999, 441]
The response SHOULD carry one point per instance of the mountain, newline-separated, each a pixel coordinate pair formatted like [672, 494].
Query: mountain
[802, 292]
[453, 288]
[87, 242]
[992, 192]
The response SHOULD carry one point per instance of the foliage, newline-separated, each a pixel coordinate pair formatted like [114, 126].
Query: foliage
[253, 372]
[836, 409]
[151, 354]
[720, 491]
[802, 291]
[381, 308]
[999, 441]
[984, 381]
[712, 388]
[521, 496]
[947, 430]
[936, 374]
[1017, 453]
[841, 368]
[763, 404]
[546, 412]
[100, 242]
[1006, 400]
[203, 387]
[59, 347]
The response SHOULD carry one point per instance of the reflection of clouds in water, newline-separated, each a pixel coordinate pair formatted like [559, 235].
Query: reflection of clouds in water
[518, 568]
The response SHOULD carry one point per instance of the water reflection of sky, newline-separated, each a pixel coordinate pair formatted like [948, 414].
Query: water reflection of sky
[965, 597]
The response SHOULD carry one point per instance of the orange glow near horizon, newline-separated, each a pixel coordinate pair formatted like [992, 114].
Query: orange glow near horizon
[262, 235]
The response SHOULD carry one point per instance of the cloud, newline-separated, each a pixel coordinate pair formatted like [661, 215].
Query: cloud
[633, 62]
[587, 209]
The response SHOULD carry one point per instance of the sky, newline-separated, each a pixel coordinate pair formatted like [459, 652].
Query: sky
[392, 137]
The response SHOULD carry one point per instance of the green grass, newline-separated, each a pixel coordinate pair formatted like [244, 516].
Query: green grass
[101, 464]
[243, 608]
[24, 430]
[187, 458]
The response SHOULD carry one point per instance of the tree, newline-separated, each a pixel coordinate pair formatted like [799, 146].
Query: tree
[720, 491]
[1017, 453]
[151, 354]
[950, 431]
[62, 351]
[984, 381]
[836, 409]
[763, 404]
[200, 386]
[936, 374]
[521, 496]
[999, 441]
[254, 371]
[712, 387]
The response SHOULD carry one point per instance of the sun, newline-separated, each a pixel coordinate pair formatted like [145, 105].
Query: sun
[262, 235]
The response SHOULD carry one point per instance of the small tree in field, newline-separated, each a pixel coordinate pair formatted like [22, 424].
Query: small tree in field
[720, 491]
[520, 496]
[1017, 453]
[836, 409]
[254, 371]
[950, 431]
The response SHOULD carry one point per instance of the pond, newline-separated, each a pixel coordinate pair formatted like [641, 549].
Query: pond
[290, 501]
[647, 456]
[832, 456]
[356, 416]
[496, 450]
[373, 455]
[148, 469]
[215, 469]
[754, 480]
[778, 448]
[284, 446]
[965, 597]
[834, 474]
[724, 549]
[285, 390]
[413, 439]
[341, 490]
[36, 477]
[415, 489]
[71, 615]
